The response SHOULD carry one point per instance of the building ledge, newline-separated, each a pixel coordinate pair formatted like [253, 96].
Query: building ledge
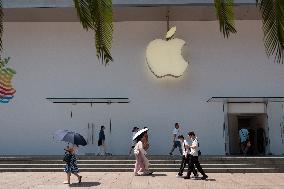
[69, 3]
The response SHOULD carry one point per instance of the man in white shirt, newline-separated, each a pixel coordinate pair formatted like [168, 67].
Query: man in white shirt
[176, 142]
[194, 157]
[185, 156]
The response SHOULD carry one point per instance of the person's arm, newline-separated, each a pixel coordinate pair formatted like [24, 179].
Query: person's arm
[187, 149]
[194, 145]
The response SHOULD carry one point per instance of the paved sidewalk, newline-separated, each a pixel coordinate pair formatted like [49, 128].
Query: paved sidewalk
[126, 180]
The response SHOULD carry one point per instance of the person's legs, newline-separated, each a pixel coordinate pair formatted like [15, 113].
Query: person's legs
[182, 165]
[244, 148]
[145, 161]
[190, 168]
[68, 178]
[179, 147]
[195, 161]
[194, 171]
[139, 165]
[78, 176]
[104, 147]
[173, 148]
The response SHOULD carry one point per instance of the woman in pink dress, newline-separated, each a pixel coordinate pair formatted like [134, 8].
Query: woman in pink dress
[142, 163]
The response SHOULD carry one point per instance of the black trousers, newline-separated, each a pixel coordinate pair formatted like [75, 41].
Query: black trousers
[194, 162]
[184, 161]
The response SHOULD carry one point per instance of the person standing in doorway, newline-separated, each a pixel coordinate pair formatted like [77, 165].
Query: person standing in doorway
[101, 141]
[133, 142]
[176, 142]
[194, 157]
[244, 140]
[185, 156]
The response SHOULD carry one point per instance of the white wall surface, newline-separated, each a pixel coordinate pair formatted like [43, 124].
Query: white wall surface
[58, 60]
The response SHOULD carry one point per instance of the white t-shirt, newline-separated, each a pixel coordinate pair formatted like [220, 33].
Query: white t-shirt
[176, 132]
[183, 145]
[194, 151]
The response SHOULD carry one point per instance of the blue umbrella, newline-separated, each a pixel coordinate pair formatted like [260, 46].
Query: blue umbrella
[71, 137]
[59, 134]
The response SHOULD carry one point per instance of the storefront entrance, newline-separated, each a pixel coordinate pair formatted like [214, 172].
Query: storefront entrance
[255, 124]
[251, 116]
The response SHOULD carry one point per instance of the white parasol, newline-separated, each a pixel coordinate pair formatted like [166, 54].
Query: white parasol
[139, 133]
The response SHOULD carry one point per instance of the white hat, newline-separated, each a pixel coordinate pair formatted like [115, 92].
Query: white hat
[139, 133]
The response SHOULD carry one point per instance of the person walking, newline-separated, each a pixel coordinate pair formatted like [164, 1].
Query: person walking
[133, 143]
[71, 163]
[185, 157]
[176, 142]
[101, 141]
[142, 163]
[194, 148]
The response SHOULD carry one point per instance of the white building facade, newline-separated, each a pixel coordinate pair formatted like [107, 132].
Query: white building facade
[57, 59]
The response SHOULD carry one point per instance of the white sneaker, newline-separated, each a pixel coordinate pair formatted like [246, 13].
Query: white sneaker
[178, 176]
[139, 173]
[197, 175]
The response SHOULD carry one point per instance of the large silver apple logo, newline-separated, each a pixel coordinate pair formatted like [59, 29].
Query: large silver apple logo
[164, 57]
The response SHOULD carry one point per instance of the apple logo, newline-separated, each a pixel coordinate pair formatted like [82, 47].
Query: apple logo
[164, 57]
[6, 75]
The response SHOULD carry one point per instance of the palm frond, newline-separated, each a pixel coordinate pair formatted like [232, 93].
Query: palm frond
[272, 12]
[225, 15]
[96, 15]
[1, 25]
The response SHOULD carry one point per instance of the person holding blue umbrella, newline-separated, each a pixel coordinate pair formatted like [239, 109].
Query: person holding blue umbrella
[71, 163]
[70, 155]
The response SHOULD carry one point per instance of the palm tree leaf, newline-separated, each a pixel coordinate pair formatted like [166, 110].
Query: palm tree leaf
[272, 12]
[97, 16]
[225, 15]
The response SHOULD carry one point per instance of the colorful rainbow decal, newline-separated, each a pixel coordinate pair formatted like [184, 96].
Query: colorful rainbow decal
[6, 75]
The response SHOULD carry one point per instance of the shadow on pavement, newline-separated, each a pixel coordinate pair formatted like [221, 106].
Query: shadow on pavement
[199, 178]
[158, 175]
[85, 184]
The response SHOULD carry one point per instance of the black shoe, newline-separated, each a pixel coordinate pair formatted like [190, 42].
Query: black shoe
[80, 179]
[204, 177]
[187, 177]
[171, 154]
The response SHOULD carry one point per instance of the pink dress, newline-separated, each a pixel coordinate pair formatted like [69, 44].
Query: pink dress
[139, 152]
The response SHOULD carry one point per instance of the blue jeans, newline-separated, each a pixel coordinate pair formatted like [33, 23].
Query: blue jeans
[176, 145]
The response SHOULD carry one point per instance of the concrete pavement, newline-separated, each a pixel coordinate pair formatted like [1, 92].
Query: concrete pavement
[126, 180]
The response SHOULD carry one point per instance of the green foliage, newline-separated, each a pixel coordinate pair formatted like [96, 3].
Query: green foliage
[225, 15]
[96, 15]
[272, 12]
[3, 64]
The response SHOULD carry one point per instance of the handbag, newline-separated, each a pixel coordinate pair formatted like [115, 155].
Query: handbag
[67, 158]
